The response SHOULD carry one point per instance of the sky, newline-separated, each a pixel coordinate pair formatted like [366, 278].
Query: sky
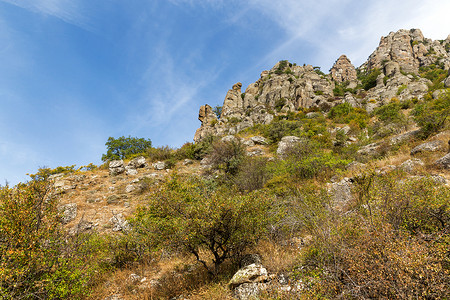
[75, 72]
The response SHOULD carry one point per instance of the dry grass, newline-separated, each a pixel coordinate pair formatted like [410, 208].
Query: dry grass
[279, 258]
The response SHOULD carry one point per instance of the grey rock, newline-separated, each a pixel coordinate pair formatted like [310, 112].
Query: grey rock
[229, 138]
[116, 167]
[286, 143]
[343, 70]
[130, 188]
[312, 115]
[249, 274]
[444, 162]
[188, 161]
[412, 165]
[138, 162]
[259, 140]
[68, 212]
[248, 143]
[119, 223]
[447, 82]
[131, 170]
[160, 165]
[404, 137]
[255, 152]
[251, 290]
[428, 147]
[341, 192]
[370, 150]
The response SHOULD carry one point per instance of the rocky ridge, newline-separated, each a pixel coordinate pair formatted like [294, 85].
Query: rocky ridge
[288, 87]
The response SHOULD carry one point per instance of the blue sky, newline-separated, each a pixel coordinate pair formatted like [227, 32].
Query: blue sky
[74, 72]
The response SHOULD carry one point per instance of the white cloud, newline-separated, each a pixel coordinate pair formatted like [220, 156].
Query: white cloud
[69, 11]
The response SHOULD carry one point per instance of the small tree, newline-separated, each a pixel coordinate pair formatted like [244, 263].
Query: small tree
[125, 147]
[188, 215]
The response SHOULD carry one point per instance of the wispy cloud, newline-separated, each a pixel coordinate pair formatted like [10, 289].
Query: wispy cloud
[69, 11]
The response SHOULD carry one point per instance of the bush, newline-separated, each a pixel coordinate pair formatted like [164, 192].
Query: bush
[123, 148]
[44, 173]
[391, 113]
[369, 80]
[252, 174]
[188, 215]
[227, 156]
[345, 113]
[38, 259]
[433, 115]
[160, 153]
[392, 243]
[307, 160]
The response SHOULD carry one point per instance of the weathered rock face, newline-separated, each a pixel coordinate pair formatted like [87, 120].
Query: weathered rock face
[343, 70]
[410, 50]
[287, 87]
[282, 89]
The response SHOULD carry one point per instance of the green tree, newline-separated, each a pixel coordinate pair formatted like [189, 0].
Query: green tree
[125, 147]
[189, 215]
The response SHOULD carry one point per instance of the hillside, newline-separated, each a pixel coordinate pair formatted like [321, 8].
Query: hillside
[306, 185]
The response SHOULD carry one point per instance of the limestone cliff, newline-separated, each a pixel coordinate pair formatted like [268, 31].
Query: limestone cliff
[286, 87]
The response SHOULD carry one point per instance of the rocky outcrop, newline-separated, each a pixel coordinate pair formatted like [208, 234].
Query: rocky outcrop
[343, 70]
[407, 50]
[289, 88]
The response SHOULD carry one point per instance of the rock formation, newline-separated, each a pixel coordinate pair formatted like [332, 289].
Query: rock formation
[409, 50]
[343, 70]
[287, 87]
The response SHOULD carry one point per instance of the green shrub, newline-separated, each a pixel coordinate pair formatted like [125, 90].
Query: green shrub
[125, 147]
[252, 174]
[277, 129]
[432, 115]
[218, 110]
[345, 113]
[401, 89]
[279, 104]
[391, 113]
[45, 172]
[283, 64]
[188, 215]
[160, 153]
[369, 80]
[227, 156]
